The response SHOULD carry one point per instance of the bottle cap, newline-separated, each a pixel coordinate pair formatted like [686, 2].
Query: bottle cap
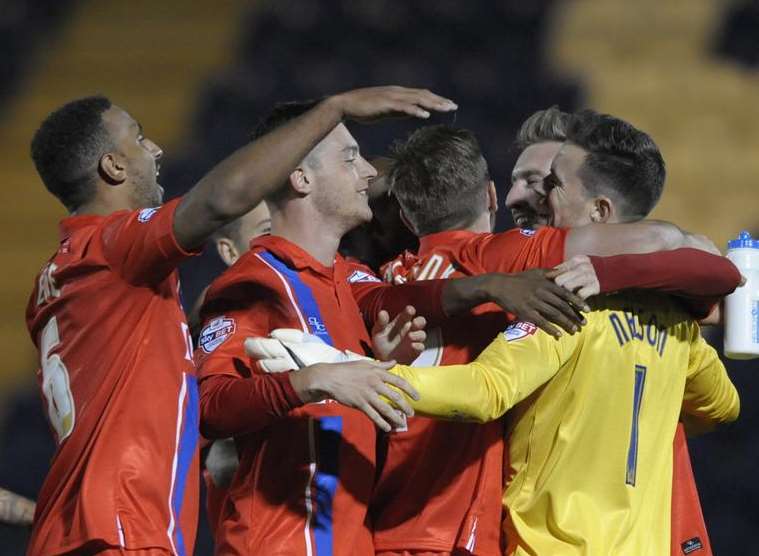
[744, 241]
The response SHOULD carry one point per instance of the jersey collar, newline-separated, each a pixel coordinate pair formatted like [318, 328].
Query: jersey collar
[71, 224]
[293, 255]
[442, 239]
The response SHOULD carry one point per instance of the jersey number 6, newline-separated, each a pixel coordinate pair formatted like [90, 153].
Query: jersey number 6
[55, 383]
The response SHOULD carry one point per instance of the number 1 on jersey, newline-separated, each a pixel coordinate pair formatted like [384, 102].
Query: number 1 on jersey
[632, 451]
[55, 383]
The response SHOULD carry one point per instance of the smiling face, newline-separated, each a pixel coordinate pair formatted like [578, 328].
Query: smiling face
[548, 187]
[527, 198]
[339, 177]
[569, 202]
[136, 156]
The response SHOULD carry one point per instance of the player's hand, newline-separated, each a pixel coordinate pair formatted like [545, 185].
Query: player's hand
[577, 275]
[222, 462]
[532, 297]
[401, 339]
[374, 103]
[698, 241]
[358, 384]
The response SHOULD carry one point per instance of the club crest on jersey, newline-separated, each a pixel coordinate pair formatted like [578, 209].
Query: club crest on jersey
[526, 232]
[361, 276]
[216, 333]
[519, 330]
[146, 214]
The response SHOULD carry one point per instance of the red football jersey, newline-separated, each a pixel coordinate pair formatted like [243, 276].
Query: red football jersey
[689, 535]
[304, 480]
[119, 383]
[441, 486]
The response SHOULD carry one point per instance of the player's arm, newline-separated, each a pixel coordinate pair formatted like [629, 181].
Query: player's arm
[710, 397]
[15, 509]
[699, 278]
[238, 396]
[528, 295]
[504, 374]
[645, 236]
[241, 181]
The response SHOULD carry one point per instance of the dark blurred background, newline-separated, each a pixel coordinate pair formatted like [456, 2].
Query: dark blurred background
[200, 75]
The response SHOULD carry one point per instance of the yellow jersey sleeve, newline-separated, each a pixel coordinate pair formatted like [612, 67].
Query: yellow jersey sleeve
[710, 396]
[513, 366]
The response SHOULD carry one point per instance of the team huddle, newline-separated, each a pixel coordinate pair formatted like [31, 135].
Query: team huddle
[345, 391]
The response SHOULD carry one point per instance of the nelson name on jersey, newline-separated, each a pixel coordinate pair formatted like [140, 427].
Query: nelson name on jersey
[636, 323]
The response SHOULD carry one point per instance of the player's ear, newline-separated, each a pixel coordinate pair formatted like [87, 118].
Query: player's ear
[602, 210]
[300, 181]
[227, 251]
[112, 169]
[492, 197]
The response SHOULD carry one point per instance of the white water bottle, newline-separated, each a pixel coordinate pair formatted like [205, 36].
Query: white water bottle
[742, 306]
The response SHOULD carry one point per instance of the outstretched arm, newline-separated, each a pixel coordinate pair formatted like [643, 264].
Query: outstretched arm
[241, 181]
[646, 236]
[698, 277]
[504, 374]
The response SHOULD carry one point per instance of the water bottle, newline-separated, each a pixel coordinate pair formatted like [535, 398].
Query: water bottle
[742, 306]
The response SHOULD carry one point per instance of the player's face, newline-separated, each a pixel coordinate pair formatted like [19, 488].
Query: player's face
[252, 225]
[139, 155]
[255, 223]
[567, 199]
[340, 179]
[528, 198]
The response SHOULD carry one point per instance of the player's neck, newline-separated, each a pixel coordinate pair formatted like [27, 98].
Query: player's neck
[483, 224]
[308, 232]
[100, 207]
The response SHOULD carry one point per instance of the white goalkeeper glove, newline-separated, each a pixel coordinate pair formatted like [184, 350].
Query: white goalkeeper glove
[289, 349]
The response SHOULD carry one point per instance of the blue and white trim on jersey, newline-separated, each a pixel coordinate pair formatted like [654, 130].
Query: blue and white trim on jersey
[324, 434]
[186, 442]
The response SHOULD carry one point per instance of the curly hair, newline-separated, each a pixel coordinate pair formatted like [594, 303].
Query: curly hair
[67, 147]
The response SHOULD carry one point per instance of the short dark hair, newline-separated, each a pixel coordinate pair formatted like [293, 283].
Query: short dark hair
[230, 230]
[439, 176]
[67, 147]
[544, 125]
[621, 160]
[282, 113]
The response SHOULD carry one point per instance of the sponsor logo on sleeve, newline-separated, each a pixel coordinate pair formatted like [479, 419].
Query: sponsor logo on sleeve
[146, 214]
[216, 333]
[361, 276]
[519, 330]
[691, 545]
[526, 232]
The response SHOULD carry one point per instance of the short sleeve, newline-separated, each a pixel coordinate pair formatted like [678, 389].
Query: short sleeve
[141, 246]
[519, 249]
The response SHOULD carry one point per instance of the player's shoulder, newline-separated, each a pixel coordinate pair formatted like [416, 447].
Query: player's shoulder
[247, 270]
[357, 272]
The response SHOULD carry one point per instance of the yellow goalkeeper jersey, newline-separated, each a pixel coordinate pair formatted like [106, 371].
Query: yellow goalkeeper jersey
[591, 444]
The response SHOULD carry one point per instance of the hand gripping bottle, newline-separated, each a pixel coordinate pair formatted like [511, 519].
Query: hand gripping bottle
[742, 306]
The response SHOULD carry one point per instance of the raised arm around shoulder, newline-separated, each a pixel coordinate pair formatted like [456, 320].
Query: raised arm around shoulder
[605, 240]
[241, 181]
